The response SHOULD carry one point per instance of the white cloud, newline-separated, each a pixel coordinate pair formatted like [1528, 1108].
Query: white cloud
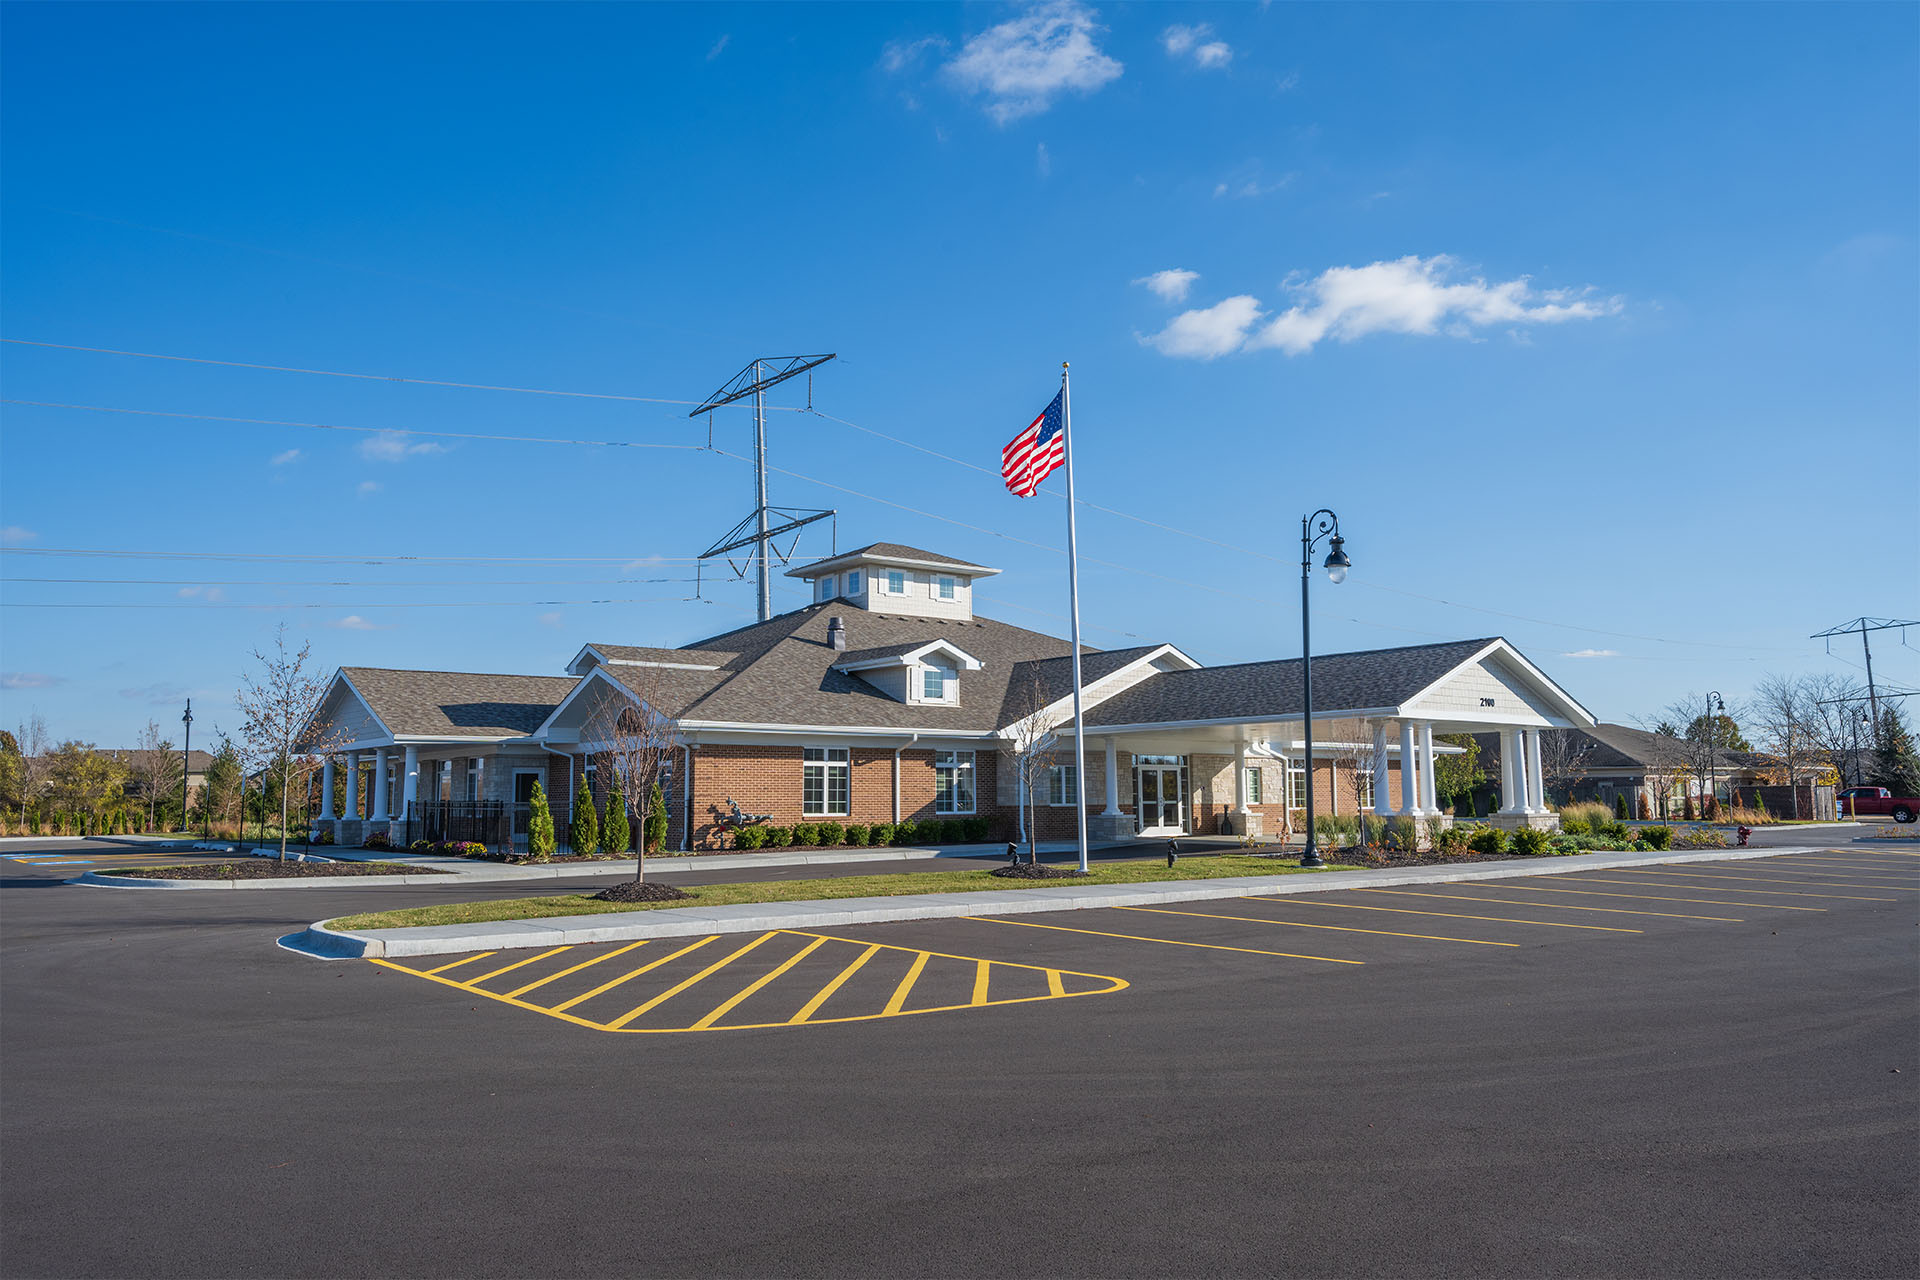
[1024, 63]
[212, 595]
[1208, 333]
[354, 622]
[13, 535]
[1287, 83]
[1181, 41]
[901, 55]
[367, 488]
[1592, 653]
[719, 46]
[283, 458]
[394, 446]
[1409, 295]
[29, 680]
[1248, 188]
[1171, 285]
[554, 619]
[1043, 161]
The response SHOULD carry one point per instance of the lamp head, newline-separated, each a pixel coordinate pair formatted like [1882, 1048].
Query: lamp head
[1337, 563]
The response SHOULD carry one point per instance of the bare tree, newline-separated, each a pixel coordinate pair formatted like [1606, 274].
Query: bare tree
[277, 708]
[1665, 762]
[1034, 748]
[35, 747]
[1360, 734]
[637, 741]
[1787, 719]
[1835, 716]
[1705, 738]
[155, 767]
[1563, 759]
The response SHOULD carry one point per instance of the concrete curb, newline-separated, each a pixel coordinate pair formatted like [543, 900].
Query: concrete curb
[669, 922]
[107, 880]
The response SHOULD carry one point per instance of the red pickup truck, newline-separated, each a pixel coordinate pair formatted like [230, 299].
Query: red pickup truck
[1877, 801]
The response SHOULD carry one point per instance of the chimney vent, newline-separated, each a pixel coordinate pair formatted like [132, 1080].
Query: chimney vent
[836, 634]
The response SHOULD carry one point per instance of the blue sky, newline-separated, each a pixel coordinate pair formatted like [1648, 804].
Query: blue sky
[1603, 317]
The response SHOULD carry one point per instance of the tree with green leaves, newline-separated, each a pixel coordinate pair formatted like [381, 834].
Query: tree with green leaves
[656, 825]
[1895, 765]
[616, 832]
[586, 826]
[1458, 777]
[540, 842]
[1721, 730]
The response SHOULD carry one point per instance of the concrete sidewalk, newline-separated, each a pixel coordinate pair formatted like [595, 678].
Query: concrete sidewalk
[669, 922]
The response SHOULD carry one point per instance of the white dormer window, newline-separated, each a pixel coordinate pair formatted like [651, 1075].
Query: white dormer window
[853, 582]
[896, 582]
[826, 587]
[933, 685]
[947, 586]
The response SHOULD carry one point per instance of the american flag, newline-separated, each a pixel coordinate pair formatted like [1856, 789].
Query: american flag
[1031, 456]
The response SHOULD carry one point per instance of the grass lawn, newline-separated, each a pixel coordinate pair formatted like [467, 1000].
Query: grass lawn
[724, 895]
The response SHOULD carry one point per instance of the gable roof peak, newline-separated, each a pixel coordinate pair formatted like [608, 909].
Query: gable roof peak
[890, 553]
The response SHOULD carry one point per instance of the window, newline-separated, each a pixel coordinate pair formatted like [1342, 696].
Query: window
[473, 780]
[1063, 785]
[1363, 788]
[823, 782]
[826, 587]
[1296, 787]
[853, 582]
[933, 684]
[953, 782]
[1253, 785]
[896, 582]
[946, 588]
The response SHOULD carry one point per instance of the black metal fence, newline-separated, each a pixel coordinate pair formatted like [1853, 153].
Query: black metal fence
[495, 824]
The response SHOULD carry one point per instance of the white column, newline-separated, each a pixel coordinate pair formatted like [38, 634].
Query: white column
[1510, 772]
[379, 813]
[326, 789]
[1240, 780]
[1429, 798]
[1113, 782]
[353, 784]
[410, 787]
[1382, 802]
[1409, 795]
[1536, 778]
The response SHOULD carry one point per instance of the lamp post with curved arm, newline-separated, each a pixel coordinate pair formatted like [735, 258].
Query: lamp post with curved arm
[1336, 566]
[1713, 744]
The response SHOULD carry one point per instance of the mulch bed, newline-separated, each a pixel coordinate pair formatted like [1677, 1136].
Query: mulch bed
[1036, 871]
[274, 869]
[641, 891]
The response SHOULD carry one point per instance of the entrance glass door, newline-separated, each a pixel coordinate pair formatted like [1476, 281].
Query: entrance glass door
[1160, 799]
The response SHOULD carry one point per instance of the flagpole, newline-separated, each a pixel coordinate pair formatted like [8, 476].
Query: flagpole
[1073, 596]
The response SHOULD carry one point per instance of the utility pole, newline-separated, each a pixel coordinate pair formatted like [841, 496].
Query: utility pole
[186, 760]
[1865, 626]
[758, 529]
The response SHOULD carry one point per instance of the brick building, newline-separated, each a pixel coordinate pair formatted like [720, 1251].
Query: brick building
[889, 698]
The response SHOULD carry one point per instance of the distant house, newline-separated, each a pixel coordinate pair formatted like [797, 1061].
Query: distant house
[890, 698]
[198, 762]
[1602, 761]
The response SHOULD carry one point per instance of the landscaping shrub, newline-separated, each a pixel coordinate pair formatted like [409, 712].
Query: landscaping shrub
[1574, 826]
[421, 843]
[616, 834]
[586, 823]
[1488, 840]
[1751, 817]
[1399, 833]
[1463, 806]
[1710, 809]
[1332, 829]
[1687, 808]
[749, 837]
[805, 835]
[1699, 838]
[778, 837]
[378, 840]
[1612, 830]
[1591, 812]
[906, 832]
[880, 834]
[656, 824]
[976, 830]
[1657, 837]
[540, 838]
[1562, 846]
[1646, 807]
[1529, 842]
[1620, 809]
[1454, 839]
[830, 834]
[855, 834]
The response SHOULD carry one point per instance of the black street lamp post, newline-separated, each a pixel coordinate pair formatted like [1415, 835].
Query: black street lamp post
[1336, 566]
[186, 759]
[1714, 703]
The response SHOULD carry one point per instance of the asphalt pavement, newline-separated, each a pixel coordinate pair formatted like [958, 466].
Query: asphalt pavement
[1707, 1071]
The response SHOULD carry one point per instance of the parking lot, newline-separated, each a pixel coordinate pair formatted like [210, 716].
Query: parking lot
[1704, 1069]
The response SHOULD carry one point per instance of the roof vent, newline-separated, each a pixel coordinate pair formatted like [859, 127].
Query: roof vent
[836, 634]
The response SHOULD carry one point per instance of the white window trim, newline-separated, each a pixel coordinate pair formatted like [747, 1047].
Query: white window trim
[946, 587]
[824, 587]
[853, 582]
[827, 766]
[906, 580]
[972, 768]
[1256, 785]
[1060, 771]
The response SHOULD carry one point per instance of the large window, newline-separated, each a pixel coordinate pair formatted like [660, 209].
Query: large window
[853, 582]
[953, 782]
[1063, 785]
[823, 782]
[826, 587]
[935, 684]
[1363, 788]
[1296, 787]
[1253, 785]
[896, 582]
[947, 586]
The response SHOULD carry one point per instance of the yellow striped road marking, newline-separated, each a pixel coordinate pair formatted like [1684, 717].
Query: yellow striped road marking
[585, 964]
[677, 988]
[1719, 881]
[1552, 906]
[1849, 864]
[474, 982]
[1171, 942]
[1451, 915]
[1659, 897]
[899, 998]
[980, 982]
[464, 960]
[1337, 928]
[1054, 985]
[645, 968]
[1842, 872]
[812, 1006]
[758, 983]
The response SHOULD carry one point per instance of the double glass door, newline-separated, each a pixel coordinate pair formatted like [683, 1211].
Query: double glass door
[1162, 804]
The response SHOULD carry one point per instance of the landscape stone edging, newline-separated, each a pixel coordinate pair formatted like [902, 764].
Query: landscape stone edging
[619, 926]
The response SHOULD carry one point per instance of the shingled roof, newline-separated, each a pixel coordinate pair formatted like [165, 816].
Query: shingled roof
[458, 704]
[1272, 690]
[884, 551]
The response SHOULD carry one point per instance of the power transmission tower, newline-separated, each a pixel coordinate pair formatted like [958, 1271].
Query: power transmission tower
[765, 372]
[1865, 626]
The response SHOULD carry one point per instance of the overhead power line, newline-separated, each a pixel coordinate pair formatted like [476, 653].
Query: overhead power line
[338, 559]
[327, 604]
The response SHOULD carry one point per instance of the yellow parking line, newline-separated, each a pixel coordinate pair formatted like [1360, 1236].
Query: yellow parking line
[676, 989]
[464, 960]
[1171, 942]
[1451, 915]
[758, 983]
[585, 964]
[1659, 897]
[1337, 928]
[1553, 906]
[1877, 863]
[1841, 872]
[1716, 886]
[899, 998]
[812, 1006]
[1054, 985]
[645, 968]
[474, 982]
[980, 982]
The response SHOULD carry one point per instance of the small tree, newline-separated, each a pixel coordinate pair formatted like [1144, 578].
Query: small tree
[656, 827]
[1033, 745]
[1563, 760]
[540, 841]
[615, 830]
[278, 707]
[1458, 776]
[639, 746]
[156, 768]
[1895, 764]
[586, 826]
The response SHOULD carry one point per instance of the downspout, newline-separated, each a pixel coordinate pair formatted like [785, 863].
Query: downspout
[686, 799]
[896, 775]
